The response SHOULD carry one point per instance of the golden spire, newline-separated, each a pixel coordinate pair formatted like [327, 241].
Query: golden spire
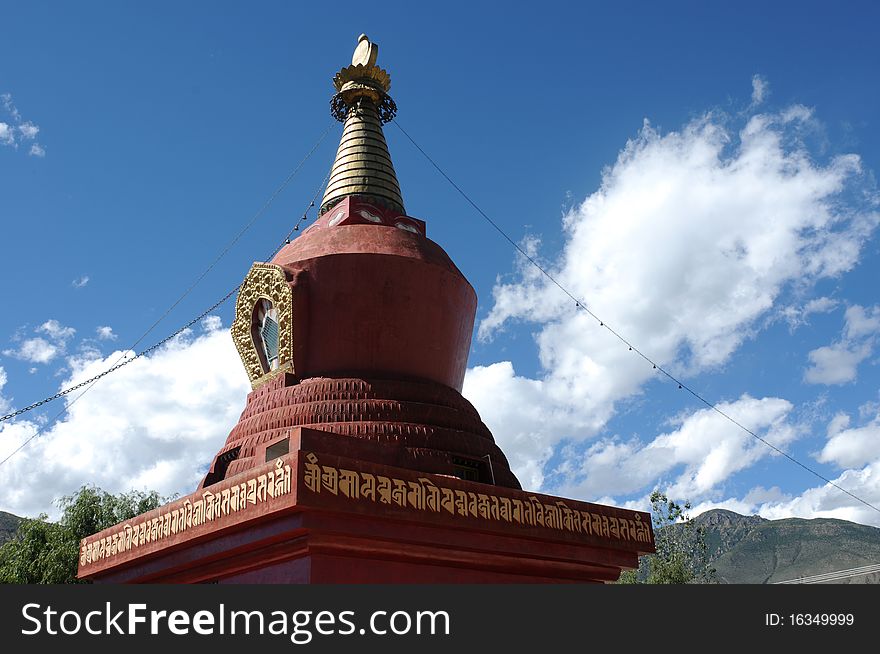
[363, 165]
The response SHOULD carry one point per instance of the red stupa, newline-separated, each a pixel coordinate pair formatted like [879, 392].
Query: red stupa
[356, 459]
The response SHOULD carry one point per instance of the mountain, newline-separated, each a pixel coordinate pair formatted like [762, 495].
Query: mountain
[753, 550]
[8, 526]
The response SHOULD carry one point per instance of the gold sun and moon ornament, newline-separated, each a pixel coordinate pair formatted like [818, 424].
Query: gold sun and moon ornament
[263, 327]
[363, 79]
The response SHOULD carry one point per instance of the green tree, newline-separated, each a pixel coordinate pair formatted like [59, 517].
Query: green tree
[682, 556]
[43, 552]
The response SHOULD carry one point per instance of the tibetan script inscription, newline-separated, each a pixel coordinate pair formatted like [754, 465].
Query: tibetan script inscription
[208, 508]
[425, 496]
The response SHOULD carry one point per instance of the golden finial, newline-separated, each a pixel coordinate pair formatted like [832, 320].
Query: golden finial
[365, 53]
[363, 79]
[363, 164]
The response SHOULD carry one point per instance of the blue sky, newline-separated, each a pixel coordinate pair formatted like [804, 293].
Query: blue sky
[703, 176]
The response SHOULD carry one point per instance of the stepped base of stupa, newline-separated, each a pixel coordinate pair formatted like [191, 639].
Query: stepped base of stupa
[310, 516]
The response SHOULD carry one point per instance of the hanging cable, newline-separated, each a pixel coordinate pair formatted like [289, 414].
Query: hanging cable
[89, 383]
[123, 361]
[579, 304]
[305, 215]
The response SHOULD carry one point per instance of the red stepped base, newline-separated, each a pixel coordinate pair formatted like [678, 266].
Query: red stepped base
[311, 517]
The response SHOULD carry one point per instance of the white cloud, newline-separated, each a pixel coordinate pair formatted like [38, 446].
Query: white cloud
[28, 130]
[35, 350]
[13, 130]
[7, 135]
[701, 454]
[56, 331]
[838, 363]
[212, 323]
[106, 333]
[6, 99]
[154, 424]
[692, 240]
[40, 349]
[760, 89]
[852, 447]
[80, 281]
[860, 323]
[824, 501]
[835, 364]
[4, 403]
[797, 316]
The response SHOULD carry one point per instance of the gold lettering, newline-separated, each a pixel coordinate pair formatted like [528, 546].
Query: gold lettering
[432, 494]
[566, 517]
[383, 488]
[398, 495]
[209, 505]
[493, 509]
[615, 531]
[349, 483]
[330, 479]
[368, 488]
[261, 488]
[482, 505]
[311, 475]
[504, 510]
[539, 510]
[551, 517]
[416, 495]
[461, 502]
[286, 480]
[270, 488]
[448, 500]
[641, 530]
[517, 511]
[528, 514]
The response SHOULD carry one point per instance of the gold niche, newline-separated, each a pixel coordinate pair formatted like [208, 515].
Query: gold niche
[264, 281]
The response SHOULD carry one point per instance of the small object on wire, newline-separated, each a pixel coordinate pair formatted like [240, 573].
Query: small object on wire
[679, 385]
[655, 366]
[630, 348]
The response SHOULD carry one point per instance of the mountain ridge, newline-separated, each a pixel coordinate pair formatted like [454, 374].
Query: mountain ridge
[754, 550]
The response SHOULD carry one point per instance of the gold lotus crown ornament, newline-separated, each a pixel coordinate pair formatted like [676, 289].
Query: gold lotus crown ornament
[363, 79]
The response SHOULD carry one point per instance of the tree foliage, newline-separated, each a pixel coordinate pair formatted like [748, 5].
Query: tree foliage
[682, 556]
[43, 552]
